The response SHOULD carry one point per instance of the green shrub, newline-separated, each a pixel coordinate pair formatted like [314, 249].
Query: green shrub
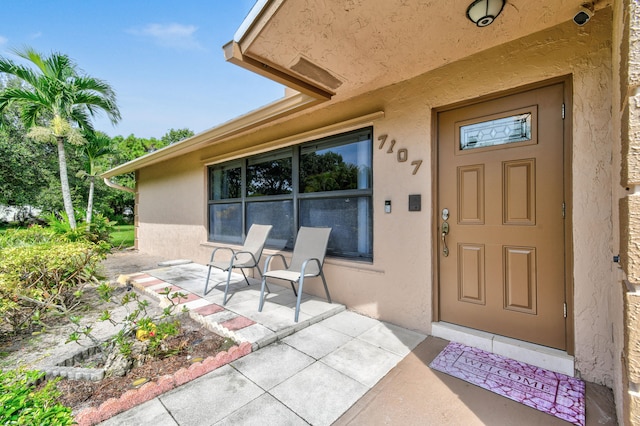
[101, 229]
[41, 279]
[23, 404]
[99, 232]
[36, 234]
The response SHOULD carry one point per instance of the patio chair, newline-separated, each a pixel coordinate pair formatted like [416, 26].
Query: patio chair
[307, 261]
[245, 258]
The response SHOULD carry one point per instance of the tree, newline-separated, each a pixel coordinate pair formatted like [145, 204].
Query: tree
[327, 172]
[55, 100]
[173, 136]
[97, 145]
[27, 167]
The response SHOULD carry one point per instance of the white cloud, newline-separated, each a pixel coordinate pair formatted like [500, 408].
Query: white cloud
[35, 35]
[3, 40]
[170, 35]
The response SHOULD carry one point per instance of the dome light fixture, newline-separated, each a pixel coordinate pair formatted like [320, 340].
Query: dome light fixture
[484, 12]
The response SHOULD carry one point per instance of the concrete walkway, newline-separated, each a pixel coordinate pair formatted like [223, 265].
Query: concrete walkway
[333, 366]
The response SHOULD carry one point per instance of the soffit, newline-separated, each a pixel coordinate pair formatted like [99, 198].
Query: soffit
[349, 46]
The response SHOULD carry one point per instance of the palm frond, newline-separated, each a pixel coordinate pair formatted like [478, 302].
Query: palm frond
[23, 73]
[80, 116]
[94, 84]
[30, 114]
[56, 86]
[31, 55]
[97, 105]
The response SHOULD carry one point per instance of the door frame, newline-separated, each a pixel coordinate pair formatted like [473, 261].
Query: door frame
[568, 185]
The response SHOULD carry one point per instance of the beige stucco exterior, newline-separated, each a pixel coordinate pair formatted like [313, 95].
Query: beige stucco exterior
[398, 286]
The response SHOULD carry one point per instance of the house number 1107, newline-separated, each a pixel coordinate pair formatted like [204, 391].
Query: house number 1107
[402, 155]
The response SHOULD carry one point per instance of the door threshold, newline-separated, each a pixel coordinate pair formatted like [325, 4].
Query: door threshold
[540, 356]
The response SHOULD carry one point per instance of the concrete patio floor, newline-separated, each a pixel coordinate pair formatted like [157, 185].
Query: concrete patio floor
[332, 367]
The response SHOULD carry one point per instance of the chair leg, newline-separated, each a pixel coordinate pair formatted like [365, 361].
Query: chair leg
[295, 293]
[326, 289]
[299, 298]
[260, 272]
[226, 287]
[262, 286]
[245, 277]
[206, 283]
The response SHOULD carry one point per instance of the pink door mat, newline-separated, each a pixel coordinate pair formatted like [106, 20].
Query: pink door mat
[552, 393]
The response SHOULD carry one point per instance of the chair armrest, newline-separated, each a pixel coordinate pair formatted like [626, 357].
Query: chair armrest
[304, 267]
[268, 261]
[213, 253]
[235, 255]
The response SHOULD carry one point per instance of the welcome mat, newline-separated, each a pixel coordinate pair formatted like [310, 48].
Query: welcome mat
[552, 393]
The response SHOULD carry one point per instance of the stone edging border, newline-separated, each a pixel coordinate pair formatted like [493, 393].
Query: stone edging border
[148, 391]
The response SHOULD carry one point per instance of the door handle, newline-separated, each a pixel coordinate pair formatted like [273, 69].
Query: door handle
[445, 231]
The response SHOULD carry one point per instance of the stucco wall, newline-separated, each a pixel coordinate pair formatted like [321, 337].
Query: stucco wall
[171, 209]
[627, 114]
[397, 287]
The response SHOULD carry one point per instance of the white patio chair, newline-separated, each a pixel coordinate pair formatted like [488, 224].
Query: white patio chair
[307, 261]
[245, 258]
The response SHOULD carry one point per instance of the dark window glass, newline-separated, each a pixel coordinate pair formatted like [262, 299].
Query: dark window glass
[350, 219]
[276, 213]
[270, 176]
[226, 182]
[225, 222]
[331, 167]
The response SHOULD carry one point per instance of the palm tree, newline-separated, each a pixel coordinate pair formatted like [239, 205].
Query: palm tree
[97, 146]
[55, 100]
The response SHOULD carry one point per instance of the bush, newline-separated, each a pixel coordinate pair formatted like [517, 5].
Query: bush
[22, 404]
[17, 237]
[41, 279]
[99, 232]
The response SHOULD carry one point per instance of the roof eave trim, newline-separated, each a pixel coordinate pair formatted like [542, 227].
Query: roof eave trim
[250, 20]
[233, 53]
[241, 124]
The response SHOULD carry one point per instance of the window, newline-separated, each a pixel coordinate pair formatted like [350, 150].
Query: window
[225, 186]
[327, 182]
[498, 131]
[269, 175]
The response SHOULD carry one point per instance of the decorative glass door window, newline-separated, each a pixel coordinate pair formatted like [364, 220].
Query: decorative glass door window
[498, 131]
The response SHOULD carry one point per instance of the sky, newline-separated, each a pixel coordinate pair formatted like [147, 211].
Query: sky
[164, 58]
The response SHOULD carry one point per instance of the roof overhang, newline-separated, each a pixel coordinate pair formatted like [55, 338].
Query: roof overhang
[245, 123]
[345, 48]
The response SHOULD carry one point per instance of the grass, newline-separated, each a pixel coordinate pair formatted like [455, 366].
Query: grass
[3, 228]
[123, 236]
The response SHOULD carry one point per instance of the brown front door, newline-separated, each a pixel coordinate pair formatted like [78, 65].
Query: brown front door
[501, 194]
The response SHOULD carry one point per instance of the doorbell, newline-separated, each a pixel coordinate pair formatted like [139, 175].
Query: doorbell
[583, 16]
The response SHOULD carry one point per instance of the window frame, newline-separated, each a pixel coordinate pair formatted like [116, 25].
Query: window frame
[296, 196]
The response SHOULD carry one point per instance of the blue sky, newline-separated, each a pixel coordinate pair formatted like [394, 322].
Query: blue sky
[164, 58]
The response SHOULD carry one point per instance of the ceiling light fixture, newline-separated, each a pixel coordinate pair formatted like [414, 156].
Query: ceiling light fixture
[484, 12]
